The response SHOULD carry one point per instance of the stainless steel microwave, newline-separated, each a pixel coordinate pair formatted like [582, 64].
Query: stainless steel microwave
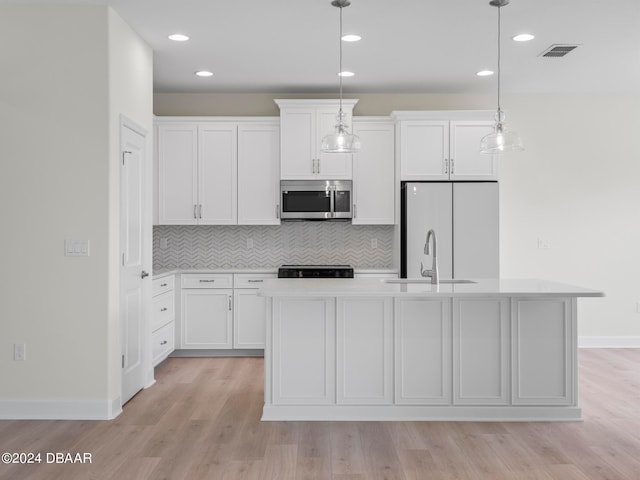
[315, 199]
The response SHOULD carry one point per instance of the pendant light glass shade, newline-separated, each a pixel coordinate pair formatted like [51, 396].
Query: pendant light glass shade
[340, 141]
[501, 140]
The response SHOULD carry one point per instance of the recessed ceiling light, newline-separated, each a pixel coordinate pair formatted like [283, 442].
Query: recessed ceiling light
[178, 37]
[346, 74]
[485, 73]
[524, 37]
[204, 73]
[351, 38]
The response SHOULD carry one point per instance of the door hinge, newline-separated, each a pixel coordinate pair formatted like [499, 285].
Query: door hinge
[123, 154]
[123, 259]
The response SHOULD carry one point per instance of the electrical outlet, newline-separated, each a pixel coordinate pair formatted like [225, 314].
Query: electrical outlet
[374, 243]
[249, 243]
[543, 244]
[164, 242]
[19, 352]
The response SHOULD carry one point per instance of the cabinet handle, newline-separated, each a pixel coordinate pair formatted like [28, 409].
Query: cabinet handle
[164, 342]
[164, 309]
[318, 166]
[195, 211]
[355, 210]
[200, 210]
[206, 281]
[229, 302]
[163, 284]
[446, 166]
[256, 281]
[277, 211]
[452, 166]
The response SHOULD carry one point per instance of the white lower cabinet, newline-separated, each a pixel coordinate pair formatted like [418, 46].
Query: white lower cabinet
[162, 318]
[303, 368]
[480, 351]
[544, 351]
[206, 311]
[364, 355]
[423, 351]
[249, 313]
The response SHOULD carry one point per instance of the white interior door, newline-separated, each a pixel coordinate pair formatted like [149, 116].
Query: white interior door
[134, 289]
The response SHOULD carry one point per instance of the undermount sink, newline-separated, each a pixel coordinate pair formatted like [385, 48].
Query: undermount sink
[424, 280]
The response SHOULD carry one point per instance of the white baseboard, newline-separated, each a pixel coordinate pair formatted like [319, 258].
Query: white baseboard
[59, 409]
[609, 342]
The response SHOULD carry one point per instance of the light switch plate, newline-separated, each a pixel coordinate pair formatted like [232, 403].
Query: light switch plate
[76, 248]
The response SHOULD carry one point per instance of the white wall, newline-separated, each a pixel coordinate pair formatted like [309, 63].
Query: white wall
[58, 158]
[576, 185]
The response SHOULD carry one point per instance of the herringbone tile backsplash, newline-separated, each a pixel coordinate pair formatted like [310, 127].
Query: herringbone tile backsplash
[226, 246]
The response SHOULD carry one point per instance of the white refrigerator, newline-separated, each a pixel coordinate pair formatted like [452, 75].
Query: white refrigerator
[464, 216]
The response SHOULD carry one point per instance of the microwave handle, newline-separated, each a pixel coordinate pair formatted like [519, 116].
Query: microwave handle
[333, 203]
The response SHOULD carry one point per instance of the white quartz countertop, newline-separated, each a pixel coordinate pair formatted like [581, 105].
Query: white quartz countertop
[494, 287]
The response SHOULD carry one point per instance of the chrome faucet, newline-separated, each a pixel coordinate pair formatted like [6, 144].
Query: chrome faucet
[433, 273]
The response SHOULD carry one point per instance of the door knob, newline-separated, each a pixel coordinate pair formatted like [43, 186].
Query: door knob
[144, 274]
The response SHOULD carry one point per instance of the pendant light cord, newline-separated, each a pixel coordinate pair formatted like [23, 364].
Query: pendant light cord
[499, 36]
[340, 66]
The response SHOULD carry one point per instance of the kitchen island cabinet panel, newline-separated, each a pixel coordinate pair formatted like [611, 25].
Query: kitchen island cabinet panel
[423, 352]
[364, 351]
[304, 346]
[481, 352]
[544, 351]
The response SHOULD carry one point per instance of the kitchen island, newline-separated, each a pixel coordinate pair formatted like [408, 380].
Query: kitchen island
[352, 349]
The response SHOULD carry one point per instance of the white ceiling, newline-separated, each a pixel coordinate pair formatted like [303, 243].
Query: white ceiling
[408, 46]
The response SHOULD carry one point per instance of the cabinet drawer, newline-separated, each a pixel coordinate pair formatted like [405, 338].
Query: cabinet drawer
[163, 310]
[251, 280]
[207, 280]
[162, 285]
[162, 343]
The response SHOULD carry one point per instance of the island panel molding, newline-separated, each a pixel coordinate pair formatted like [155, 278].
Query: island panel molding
[494, 349]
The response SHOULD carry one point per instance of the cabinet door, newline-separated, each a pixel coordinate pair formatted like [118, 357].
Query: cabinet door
[258, 174]
[303, 369]
[374, 174]
[331, 165]
[544, 351]
[424, 150]
[207, 320]
[480, 352]
[423, 351]
[297, 141]
[467, 163]
[364, 342]
[249, 318]
[177, 174]
[217, 174]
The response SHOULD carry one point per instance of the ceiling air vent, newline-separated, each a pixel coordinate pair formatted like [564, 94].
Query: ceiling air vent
[556, 51]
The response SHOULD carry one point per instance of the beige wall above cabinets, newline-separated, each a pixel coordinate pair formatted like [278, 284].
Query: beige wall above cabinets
[218, 171]
[444, 145]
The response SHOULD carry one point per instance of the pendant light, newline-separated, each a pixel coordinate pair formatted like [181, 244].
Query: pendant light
[340, 141]
[501, 140]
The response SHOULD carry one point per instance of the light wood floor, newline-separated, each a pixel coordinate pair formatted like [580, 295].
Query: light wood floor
[202, 421]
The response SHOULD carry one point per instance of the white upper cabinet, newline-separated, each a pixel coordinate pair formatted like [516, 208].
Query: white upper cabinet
[177, 174]
[444, 145]
[213, 172]
[258, 174]
[374, 172]
[303, 123]
[217, 170]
